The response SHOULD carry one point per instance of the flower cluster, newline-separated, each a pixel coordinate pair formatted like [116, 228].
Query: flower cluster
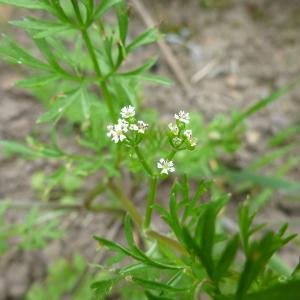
[180, 137]
[127, 126]
[130, 130]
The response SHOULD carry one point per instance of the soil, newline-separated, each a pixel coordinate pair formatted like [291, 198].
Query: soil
[247, 49]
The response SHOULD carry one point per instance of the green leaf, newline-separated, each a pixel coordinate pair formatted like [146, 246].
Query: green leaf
[39, 151]
[104, 6]
[284, 135]
[59, 107]
[139, 70]
[153, 285]
[122, 14]
[206, 231]
[129, 232]
[227, 257]
[286, 291]
[40, 80]
[263, 103]
[102, 288]
[174, 220]
[245, 219]
[153, 297]
[134, 253]
[31, 4]
[265, 181]
[156, 79]
[258, 256]
[10, 51]
[116, 247]
[147, 37]
[41, 28]
[17, 148]
[85, 103]
[46, 50]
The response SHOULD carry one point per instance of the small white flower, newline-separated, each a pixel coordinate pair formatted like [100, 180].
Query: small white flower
[165, 166]
[188, 133]
[123, 125]
[111, 130]
[116, 132]
[192, 142]
[173, 128]
[182, 117]
[133, 127]
[142, 126]
[127, 112]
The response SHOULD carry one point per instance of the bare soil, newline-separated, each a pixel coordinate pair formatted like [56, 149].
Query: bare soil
[233, 56]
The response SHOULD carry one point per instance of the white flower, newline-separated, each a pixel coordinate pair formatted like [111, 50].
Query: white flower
[116, 132]
[174, 129]
[142, 126]
[165, 166]
[188, 133]
[127, 112]
[123, 125]
[192, 142]
[133, 127]
[182, 117]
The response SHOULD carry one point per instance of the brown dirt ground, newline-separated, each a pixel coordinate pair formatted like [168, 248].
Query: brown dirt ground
[252, 48]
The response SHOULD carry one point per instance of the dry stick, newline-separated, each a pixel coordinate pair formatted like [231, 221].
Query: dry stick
[57, 206]
[111, 236]
[165, 49]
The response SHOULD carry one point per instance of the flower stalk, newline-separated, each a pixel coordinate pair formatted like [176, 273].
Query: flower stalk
[92, 54]
[150, 201]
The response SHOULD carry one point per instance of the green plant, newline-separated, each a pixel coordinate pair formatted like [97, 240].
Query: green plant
[200, 255]
[81, 75]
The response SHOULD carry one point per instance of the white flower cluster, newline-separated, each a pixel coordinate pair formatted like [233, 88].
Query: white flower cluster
[119, 132]
[181, 138]
[180, 135]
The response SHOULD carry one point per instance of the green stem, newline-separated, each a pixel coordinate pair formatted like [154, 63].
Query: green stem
[172, 154]
[143, 161]
[150, 201]
[127, 204]
[91, 51]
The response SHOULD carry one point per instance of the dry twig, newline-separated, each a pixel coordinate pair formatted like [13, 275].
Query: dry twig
[165, 49]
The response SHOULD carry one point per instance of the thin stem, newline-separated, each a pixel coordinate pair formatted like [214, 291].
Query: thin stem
[92, 53]
[127, 204]
[150, 202]
[91, 196]
[143, 161]
[172, 154]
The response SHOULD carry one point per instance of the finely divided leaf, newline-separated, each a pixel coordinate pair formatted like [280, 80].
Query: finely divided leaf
[147, 37]
[104, 6]
[31, 4]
